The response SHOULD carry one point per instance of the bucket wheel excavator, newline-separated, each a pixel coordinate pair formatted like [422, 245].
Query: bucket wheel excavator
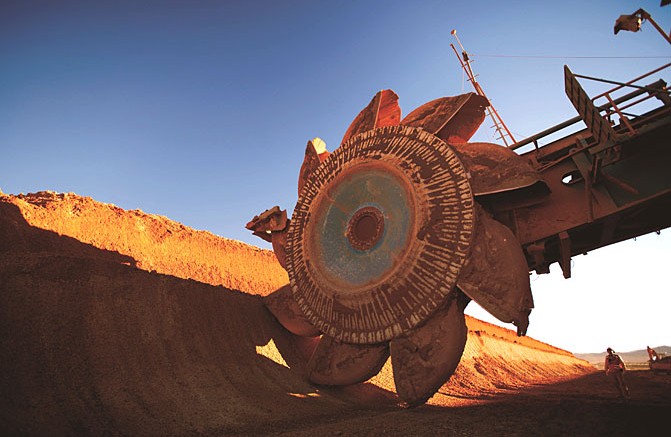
[398, 228]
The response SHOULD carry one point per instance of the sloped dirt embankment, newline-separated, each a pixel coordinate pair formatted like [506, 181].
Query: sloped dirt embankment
[122, 322]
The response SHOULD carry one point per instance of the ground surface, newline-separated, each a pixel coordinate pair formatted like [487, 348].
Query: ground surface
[585, 406]
[118, 322]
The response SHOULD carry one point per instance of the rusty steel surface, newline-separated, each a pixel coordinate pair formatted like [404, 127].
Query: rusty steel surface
[495, 169]
[496, 274]
[336, 363]
[383, 110]
[602, 188]
[373, 249]
[423, 359]
[452, 119]
[378, 247]
[406, 222]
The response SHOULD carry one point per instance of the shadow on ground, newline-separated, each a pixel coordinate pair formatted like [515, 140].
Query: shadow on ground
[92, 345]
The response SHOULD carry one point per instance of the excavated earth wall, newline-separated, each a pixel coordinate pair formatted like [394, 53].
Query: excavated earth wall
[116, 322]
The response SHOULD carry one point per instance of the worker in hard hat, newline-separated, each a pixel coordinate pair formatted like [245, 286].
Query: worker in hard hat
[614, 367]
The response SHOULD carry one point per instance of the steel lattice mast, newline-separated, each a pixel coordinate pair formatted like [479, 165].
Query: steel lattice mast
[504, 133]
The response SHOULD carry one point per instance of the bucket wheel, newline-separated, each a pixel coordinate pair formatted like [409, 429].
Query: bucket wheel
[387, 244]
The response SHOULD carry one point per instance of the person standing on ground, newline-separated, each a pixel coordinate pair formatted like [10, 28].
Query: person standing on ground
[614, 367]
[652, 354]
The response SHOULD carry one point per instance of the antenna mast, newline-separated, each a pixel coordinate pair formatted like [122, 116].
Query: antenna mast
[499, 125]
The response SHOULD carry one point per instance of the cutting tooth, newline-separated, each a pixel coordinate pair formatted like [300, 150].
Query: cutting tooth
[424, 358]
[282, 305]
[452, 119]
[336, 363]
[496, 274]
[272, 225]
[315, 154]
[269, 221]
[382, 111]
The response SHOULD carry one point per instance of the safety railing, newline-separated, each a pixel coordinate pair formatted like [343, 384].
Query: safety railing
[599, 117]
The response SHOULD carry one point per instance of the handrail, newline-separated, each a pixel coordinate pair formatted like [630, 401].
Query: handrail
[655, 85]
[622, 85]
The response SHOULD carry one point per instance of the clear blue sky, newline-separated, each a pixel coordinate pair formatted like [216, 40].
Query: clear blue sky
[200, 111]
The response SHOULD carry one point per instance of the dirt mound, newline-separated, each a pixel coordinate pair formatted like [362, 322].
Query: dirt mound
[122, 322]
[153, 242]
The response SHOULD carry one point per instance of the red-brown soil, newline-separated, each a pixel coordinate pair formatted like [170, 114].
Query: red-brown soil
[117, 322]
